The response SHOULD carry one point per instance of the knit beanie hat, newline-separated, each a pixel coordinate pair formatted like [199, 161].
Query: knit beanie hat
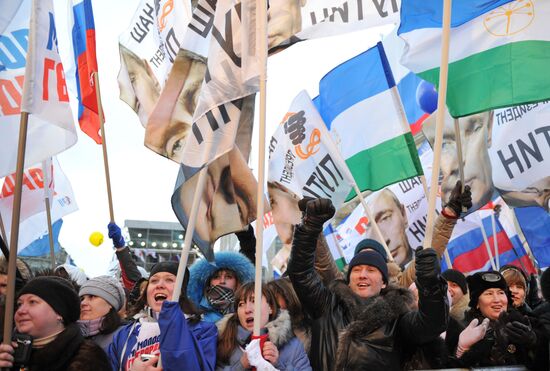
[170, 267]
[369, 243]
[371, 258]
[107, 288]
[58, 293]
[457, 277]
[481, 281]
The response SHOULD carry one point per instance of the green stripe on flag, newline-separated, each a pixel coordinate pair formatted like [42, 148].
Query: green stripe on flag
[384, 164]
[340, 264]
[504, 76]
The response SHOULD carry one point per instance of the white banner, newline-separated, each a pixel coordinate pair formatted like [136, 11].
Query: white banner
[37, 87]
[33, 223]
[520, 154]
[303, 157]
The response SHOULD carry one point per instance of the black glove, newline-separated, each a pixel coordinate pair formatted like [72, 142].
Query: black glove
[520, 334]
[459, 199]
[317, 212]
[427, 268]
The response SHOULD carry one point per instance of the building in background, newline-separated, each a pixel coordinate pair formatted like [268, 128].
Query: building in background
[153, 242]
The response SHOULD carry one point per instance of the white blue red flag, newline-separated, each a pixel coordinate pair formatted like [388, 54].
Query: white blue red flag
[83, 35]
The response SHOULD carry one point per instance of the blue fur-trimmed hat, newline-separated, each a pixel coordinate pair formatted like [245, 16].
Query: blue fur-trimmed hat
[201, 271]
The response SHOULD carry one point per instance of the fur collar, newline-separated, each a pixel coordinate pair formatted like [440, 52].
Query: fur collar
[458, 310]
[380, 310]
[280, 329]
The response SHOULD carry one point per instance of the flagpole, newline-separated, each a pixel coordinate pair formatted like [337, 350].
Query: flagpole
[523, 240]
[459, 157]
[50, 232]
[261, 42]
[104, 146]
[373, 221]
[14, 236]
[448, 259]
[487, 247]
[46, 173]
[440, 117]
[189, 230]
[495, 239]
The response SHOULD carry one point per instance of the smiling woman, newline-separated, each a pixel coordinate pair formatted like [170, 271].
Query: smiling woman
[47, 309]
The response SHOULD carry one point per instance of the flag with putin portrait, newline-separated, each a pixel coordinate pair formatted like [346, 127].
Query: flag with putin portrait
[32, 80]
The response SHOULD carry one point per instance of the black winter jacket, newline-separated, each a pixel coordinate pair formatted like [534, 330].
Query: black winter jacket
[335, 307]
[69, 352]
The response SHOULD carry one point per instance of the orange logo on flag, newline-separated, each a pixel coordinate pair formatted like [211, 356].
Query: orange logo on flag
[510, 18]
[311, 148]
[166, 10]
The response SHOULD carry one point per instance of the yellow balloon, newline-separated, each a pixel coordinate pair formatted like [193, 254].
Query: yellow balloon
[96, 238]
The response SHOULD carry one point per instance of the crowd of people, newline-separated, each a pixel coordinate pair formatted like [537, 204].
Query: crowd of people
[375, 315]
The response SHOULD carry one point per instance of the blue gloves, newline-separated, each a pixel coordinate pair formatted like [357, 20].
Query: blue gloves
[115, 234]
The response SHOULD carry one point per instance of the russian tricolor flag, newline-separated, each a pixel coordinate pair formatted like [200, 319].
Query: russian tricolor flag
[83, 34]
[468, 251]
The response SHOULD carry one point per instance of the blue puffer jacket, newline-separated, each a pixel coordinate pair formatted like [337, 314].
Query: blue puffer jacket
[292, 356]
[183, 345]
[201, 271]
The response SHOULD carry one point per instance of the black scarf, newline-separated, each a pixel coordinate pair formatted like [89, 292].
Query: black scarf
[57, 355]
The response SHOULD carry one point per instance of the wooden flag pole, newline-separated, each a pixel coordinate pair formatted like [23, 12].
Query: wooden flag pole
[104, 146]
[459, 157]
[495, 239]
[261, 42]
[440, 118]
[47, 180]
[189, 230]
[488, 247]
[50, 232]
[373, 221]
[14, 236]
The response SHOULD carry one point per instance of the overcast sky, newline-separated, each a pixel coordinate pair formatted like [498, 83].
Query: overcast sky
[142, 181]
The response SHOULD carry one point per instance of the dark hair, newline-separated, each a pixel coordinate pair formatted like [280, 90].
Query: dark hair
[218, 272]
[227, 339]
[111, 322]
[283, 287]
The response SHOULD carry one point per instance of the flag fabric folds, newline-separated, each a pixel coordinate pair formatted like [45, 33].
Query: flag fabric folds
[358, 106]
[468, 251]
[33, 222]
[535, 224]
[31, 63]
[499, 51]
[83, 36]
[41, 246]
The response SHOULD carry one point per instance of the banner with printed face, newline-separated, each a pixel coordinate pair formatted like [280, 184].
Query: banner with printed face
[148, 48]
[32, 80]
[33, 222]
[520, 154]
[228, 203]
[400, 211]
[217, 40]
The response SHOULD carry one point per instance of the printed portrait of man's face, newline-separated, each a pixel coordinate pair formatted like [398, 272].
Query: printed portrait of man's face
[391, 218]
[228, 202]
[475, 134]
